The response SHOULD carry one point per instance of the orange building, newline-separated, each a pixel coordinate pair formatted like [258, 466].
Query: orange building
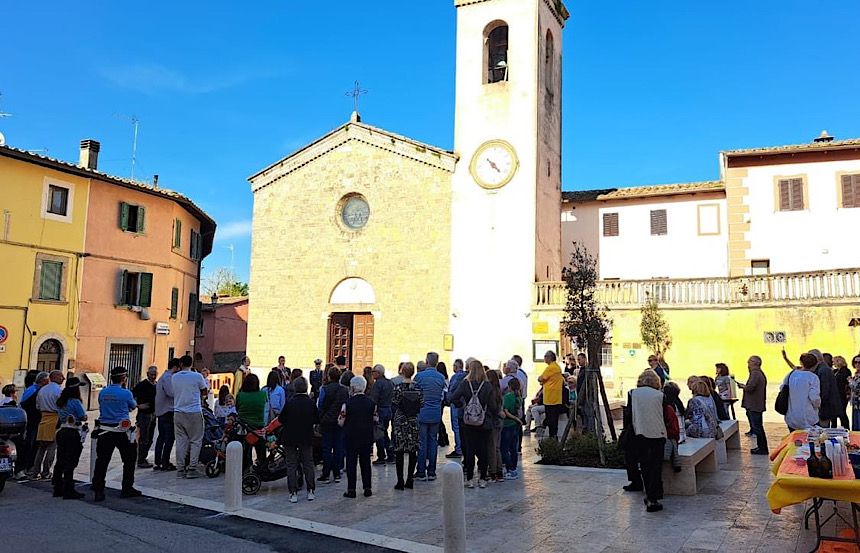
[223, 332]
[138, 275]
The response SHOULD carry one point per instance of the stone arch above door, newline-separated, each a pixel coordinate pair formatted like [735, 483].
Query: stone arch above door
[353, 291]
[43, 339]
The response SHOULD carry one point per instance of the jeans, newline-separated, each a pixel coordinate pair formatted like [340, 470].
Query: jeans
[509, 445]
[757, 428]
[146, 425]
[428, 436]
[855, 420]
[332, 450]
[384, 447]
[644, 461]
[164, 442]
[455, 427]
[188, 428]
[358, 455]
[494, 454]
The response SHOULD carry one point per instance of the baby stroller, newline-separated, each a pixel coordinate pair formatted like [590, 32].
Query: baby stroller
[273, 467]
[213, 453]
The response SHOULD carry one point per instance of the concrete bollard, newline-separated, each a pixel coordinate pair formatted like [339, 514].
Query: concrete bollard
[453, 508]
[233, 478]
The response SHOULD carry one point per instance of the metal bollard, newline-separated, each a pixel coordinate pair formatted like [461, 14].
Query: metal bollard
[233, 478]
[453, 508]
[93, 454]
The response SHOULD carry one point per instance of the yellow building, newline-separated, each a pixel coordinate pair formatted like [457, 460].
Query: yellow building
[42, 227]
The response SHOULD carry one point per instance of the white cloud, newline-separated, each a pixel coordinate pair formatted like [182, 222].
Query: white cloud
[152, 78]
[233, 230]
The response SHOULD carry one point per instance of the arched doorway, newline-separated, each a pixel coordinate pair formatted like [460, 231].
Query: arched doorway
[50, 355]
[351, 325]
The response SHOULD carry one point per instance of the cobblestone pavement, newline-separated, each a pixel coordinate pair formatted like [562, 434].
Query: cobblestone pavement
[548, 510]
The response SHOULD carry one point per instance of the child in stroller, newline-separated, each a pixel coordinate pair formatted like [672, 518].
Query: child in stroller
[213, 453]
[274, 467]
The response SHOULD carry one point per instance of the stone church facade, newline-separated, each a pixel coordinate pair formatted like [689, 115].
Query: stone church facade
[381, 248]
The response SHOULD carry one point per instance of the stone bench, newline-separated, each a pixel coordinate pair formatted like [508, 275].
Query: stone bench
[696, 455]
[731, 440]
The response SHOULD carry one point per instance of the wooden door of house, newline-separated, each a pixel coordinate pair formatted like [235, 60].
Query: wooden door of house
[50, 354]
[339, 336]
[362, 342]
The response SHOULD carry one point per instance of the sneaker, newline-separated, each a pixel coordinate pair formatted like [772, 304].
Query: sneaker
[168, 467]
[418, 476]
[144, 465]
[511, 475]
[337, 479]
[482, 483]
[311, 495]
[758, 451]
[454, 455]
[192, 473]
[653, 507]
[157, 467]
[294, 498]
[324, 480]
[180, 473]
[750, 433]
[46, 476]
[470, 484]
[431, 477]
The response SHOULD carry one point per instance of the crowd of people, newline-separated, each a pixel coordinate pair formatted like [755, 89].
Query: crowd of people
[345, 415]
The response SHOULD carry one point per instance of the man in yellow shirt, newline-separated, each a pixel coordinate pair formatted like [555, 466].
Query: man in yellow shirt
[552, 381]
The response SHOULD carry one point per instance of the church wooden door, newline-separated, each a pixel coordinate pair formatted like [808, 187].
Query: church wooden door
[339, 336]
[362, 342]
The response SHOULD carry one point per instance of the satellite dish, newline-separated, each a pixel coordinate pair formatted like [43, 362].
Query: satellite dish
[2, 139]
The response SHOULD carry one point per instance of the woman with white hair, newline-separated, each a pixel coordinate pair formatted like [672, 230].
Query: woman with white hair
[358, 419]
[644, 438]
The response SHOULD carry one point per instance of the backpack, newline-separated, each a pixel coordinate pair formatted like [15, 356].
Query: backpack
[474, 412]
[410, 404]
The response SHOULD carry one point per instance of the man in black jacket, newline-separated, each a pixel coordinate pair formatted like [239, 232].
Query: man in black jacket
[144, 395]
[380, 394]
[332, 397]
[298, 419]
[358, 433]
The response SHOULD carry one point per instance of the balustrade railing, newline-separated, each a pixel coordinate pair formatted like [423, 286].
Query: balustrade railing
[784, 287]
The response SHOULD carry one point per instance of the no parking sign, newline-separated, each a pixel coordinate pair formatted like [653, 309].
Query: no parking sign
[4, 333]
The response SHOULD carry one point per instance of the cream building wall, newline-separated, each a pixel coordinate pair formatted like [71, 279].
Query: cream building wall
[684, 252]
[579, 223]
[816, 238]
[301, 250]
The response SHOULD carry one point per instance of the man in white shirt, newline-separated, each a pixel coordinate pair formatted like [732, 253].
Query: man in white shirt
[188, 417]
[46, 445]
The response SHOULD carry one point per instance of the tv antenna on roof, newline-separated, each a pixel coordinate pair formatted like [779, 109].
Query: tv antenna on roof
[136, 122]
[4, 114]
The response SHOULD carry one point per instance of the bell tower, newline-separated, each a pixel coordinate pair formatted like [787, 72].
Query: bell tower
[506, 227]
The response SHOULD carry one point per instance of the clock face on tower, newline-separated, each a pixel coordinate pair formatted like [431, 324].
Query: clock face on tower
[494, 164]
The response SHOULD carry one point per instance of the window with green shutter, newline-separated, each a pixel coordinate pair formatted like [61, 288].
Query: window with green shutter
[51, 280]
[177, 234]
[174, 302]
[131, 217]
[136, 289]
[195, 245]
[193, 306]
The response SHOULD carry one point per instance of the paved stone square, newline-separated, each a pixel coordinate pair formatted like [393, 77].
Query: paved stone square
[549, 509]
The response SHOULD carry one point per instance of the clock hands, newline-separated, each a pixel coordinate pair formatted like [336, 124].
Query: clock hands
[493, 165]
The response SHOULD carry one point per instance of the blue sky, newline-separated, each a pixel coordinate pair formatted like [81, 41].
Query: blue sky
[653, 91]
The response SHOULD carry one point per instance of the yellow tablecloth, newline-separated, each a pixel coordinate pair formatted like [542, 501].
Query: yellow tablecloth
[791, 489]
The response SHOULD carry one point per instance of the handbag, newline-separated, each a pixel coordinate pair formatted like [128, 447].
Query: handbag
[781, 404]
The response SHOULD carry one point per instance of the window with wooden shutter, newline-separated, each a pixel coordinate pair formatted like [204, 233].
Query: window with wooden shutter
[195, 245]
[174, 302]
[51, 280]
[144, 298]
[131, 217]
[791, 194]
[177, 233]
[610, 224]
[851, 190]
[123, 215]
[141, 213]
[658, 222]
[193, 305]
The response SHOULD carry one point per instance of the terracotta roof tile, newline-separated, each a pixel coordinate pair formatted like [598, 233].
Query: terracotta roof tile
[791, 148]
[643, 191]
